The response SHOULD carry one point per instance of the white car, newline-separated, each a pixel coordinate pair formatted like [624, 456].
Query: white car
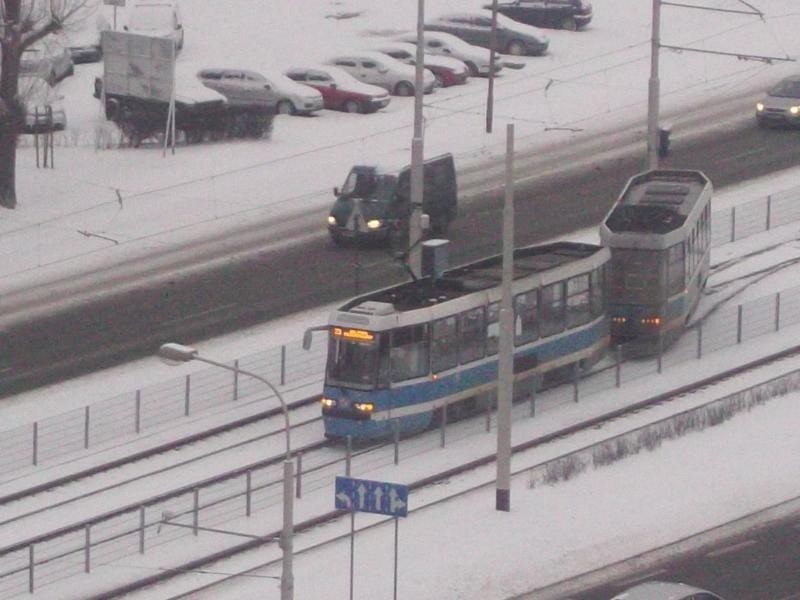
[245, 87]
[49, 59]
[157, 18]
[447, 70]
[384, 71]
[43, 108]
[84, 42]
[446, 44]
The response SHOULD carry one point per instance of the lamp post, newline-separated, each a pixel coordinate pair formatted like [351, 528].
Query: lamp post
[177, 353]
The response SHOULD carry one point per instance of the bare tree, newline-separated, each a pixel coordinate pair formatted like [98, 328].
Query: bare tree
[22, 24]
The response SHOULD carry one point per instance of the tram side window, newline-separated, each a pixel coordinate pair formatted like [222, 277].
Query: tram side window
[472, 333]
[578, 312]
[526, 328]
[444, 344]
[675, 269]
[551, 313]
[409, 353]
[597, 282]
[492, 328]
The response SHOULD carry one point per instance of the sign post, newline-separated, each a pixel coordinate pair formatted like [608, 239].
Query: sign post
[115, 4]
[380, 497]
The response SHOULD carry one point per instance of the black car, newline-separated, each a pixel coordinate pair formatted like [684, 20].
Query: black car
[558, 14]
[475, 27]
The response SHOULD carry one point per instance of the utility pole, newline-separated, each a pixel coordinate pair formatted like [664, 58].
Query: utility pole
[492, 59]
[417, 154]
[653, 89]
[505, 366]
[653, 132]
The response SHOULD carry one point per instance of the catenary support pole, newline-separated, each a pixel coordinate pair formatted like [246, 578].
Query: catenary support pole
[653, 90]
[505, 375]
[417, 154]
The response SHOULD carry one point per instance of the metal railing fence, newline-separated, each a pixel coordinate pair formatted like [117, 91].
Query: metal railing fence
[29, 565]
[32, 564]
[161, 405]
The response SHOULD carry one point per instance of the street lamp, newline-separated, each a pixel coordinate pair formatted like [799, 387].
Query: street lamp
[177, 353]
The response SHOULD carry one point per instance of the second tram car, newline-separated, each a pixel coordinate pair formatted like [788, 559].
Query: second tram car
[400, 356]
[659, 234]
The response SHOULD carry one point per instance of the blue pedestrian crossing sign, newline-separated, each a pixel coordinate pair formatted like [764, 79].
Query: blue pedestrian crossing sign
[379, 497]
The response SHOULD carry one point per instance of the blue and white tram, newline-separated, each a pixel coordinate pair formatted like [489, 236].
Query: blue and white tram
[397, 356]
[659, 234]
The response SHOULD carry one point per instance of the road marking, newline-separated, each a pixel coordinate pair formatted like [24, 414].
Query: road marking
[732, 548]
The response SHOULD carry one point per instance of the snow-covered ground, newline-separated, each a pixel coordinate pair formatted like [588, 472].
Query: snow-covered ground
[591, 81]
[465, 549]
[101, 206]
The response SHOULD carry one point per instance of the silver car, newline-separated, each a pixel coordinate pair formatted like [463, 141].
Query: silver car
[663, 590]
[243, 87]
[781, 105]
[384, 71]
[446, 44]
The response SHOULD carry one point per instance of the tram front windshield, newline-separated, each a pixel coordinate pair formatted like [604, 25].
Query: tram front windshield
[636, 276]
[353, 362]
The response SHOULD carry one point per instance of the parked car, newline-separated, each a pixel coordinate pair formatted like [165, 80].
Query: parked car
[447, 71]
[560, 14]
[384, 71]
[43, 108]
[340, 90]
[243, 87]
[84, 44]
[446, 44]
[475, 27]
[662, 590]
[781, 105]
[49, 59]
[157, 18]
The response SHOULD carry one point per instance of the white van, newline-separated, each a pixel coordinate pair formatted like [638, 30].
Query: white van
[157, 18]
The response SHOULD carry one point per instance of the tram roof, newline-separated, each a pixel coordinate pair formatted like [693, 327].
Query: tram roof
[476, 276]
[657, 201]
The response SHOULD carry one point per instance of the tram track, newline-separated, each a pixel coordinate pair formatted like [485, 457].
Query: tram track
[448, 474]
[21, 510]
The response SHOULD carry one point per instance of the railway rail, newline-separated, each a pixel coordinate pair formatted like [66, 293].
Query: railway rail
[593, 423]
[374, 454]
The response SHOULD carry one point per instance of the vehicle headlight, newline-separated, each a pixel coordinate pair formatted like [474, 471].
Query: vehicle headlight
[373, 224]
[795, 110]
[364, 407]
[331, 220]
[759, 106]
[327, 402]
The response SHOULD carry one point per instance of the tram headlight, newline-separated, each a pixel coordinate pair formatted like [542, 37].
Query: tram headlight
[759, 106]
[373, 224]
[795, 110]
[327, 402]
[331, 220]
[364, 407]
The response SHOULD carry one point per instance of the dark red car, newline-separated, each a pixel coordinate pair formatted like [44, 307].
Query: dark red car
[447, 70]
[340, 90]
